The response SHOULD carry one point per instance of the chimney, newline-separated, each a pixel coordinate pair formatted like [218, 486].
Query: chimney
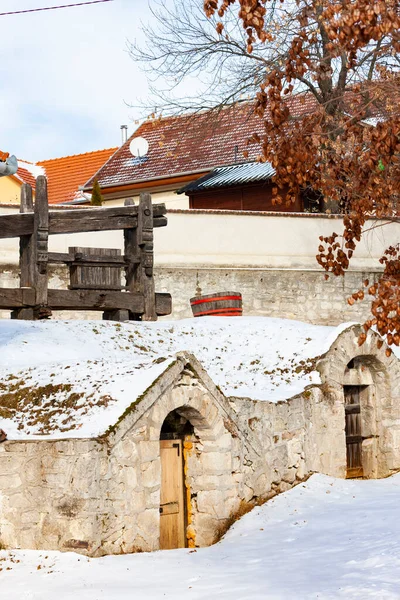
[124, 133]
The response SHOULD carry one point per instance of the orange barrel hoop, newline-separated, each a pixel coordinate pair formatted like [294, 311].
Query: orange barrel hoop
[223, 304]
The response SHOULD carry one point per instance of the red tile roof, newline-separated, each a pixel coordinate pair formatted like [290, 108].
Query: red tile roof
[27, 172]
[189, 143]
[65, 175]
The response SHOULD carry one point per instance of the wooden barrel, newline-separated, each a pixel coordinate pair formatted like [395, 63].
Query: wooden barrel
[223, 304]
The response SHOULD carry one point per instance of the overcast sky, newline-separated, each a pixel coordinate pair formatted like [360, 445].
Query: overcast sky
[66, 76]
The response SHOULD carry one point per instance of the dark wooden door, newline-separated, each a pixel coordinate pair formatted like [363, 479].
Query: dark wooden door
[352, 409]
[172, 508]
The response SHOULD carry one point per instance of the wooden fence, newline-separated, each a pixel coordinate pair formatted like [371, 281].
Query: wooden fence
[95, 273]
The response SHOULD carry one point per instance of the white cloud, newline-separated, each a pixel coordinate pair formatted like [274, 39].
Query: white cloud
[65, 76]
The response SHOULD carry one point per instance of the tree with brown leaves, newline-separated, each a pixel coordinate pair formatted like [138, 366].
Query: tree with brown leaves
[346, 145]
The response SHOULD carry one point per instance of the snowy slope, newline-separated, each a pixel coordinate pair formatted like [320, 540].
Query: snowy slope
[326, 539]
[78, 377]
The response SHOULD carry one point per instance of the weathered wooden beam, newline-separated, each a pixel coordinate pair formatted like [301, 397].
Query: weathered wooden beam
[56, 258]
[95, 286]
[16, 298]
[128, 210]
[99, 260]
[79, 220]
[104, 301]
[145, 242]
[100, 219]
[26, 245]
[95, 300]
[26, 254]
[160, 221]
[41, 240]
[87, 221]
[132, 256]
[163, 304]
[88, 259]
[16, 225]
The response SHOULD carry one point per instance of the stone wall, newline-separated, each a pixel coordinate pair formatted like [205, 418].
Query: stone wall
[103, 496]
[378, 376]
[51, 494]
[301, 295]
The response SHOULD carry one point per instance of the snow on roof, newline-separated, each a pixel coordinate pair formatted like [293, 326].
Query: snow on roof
[76, 378]
[34, 170]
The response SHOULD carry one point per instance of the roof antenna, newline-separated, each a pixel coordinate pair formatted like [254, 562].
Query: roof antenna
[124, 133]
[236, 153]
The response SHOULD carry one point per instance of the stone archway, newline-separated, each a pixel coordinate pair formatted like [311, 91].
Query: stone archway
[373, 377]
[209, 489]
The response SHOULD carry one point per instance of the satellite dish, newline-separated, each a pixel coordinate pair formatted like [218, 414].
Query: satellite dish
[139, 147]
[9, 166]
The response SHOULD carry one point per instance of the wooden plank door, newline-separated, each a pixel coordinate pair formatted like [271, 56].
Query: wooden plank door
[172, 508]
[352, 409]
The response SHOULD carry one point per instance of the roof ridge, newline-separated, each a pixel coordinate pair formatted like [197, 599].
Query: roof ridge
[39, 162]
[195, 113]
[93, 177]
[28, 162]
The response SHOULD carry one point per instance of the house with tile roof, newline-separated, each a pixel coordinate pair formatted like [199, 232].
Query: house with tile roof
[10, 186]
[65, 177]
[185, 148]
[220, 147]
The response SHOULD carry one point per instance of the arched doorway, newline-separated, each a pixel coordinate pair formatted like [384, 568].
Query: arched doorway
[353, 430]
[360, 399]
[365, 376]
[173, 508]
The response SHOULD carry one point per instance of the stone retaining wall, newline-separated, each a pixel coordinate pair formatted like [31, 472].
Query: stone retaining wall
[291, 294]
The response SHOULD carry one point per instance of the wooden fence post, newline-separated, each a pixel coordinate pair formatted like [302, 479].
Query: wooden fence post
[41, 238]
[131, 252]
[139, 258]
[26, 254]
[145, 272]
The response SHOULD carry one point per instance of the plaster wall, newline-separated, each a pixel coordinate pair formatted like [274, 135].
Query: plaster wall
[10, 190]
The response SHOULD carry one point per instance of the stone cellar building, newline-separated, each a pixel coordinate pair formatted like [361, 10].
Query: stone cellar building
[183, 460]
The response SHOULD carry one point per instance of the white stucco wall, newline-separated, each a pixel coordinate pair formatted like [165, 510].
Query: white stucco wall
[228, 239]
[261, 239]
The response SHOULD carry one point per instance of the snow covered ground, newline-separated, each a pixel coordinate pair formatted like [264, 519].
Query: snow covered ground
[78, 377]
[325, 539]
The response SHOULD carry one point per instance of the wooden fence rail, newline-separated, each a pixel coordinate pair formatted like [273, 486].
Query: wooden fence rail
[95, 273]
